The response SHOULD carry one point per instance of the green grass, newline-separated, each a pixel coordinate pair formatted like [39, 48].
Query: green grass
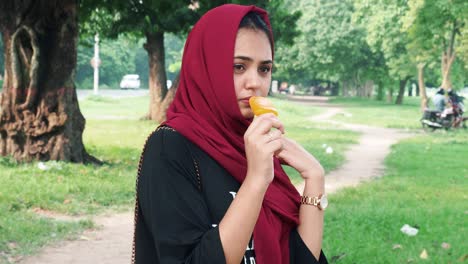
[425, 186]
[382, 114]
[115, 135]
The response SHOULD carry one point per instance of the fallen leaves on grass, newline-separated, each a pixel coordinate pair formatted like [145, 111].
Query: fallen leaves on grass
[463, 258]
[424, 254]
[337, 257]
[445, 245]
[397, 246]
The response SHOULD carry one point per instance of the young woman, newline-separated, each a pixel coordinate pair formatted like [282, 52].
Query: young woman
[211, 188]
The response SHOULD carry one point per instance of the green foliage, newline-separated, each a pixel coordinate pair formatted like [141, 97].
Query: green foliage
[124, 55]
[383, 21]
[118, 58]
[330, 47]
[114, 17]
[174, 46]
[431, 25]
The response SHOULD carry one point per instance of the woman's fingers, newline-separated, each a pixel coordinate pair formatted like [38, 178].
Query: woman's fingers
[264, 123]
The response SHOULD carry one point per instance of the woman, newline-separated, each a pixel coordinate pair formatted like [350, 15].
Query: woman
[211, 188]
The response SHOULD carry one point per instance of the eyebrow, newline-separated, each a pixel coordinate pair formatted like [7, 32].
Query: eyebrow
[250, 59]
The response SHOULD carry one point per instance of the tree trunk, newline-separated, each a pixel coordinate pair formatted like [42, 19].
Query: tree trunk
[345, 88]
[422, 86]
[448, 57]
[410, 89]
[335, 89]
[40, 118]
[390, 94]
[447, 61]
[401, 91]
[157, 75]
[169, 98]
[368, 88]
[380, 91]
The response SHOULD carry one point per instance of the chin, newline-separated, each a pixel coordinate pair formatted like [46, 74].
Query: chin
[247, 114]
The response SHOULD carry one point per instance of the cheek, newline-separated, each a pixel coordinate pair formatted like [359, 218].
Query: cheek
[266, 85]
[237, 84]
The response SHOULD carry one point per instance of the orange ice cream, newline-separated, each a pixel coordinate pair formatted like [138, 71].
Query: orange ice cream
[261, 105]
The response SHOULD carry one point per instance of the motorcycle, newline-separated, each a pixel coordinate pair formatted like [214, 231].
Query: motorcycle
[451, 117]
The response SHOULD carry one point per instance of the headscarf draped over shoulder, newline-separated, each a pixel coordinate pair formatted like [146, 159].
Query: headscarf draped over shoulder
[205, 110]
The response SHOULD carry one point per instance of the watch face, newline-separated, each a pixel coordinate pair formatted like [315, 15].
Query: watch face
[323, 202]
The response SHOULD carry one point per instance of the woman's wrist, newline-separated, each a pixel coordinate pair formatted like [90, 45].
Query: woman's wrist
[255, 183]
[314, 186]
[313, 175]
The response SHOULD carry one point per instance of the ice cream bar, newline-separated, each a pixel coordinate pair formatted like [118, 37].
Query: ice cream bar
[261, 105]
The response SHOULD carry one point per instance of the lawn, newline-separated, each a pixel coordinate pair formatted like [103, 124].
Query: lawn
[382, 114]
[425, 186]
[115, 135]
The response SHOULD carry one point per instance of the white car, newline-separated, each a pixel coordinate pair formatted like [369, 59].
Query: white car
[130, 81]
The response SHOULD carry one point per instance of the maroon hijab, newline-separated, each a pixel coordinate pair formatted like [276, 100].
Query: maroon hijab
[205, 110]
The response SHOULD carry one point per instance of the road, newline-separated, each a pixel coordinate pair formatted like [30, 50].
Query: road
[113, 93]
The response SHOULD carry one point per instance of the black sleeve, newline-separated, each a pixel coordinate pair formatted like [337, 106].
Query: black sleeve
[300, 253]
[172, 206]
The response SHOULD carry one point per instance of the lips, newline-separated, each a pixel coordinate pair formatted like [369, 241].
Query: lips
[245, 100]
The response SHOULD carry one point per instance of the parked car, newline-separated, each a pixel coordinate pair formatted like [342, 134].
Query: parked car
[130, 81]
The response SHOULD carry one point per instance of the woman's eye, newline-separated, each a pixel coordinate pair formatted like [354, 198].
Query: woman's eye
[239, 67]
[265, 69]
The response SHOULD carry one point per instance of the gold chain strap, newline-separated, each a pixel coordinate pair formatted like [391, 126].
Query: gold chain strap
[135, 219]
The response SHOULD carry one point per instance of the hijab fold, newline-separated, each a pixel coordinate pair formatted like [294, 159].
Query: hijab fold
[205, 110]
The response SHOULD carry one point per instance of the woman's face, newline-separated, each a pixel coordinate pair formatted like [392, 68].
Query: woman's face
[252, 67]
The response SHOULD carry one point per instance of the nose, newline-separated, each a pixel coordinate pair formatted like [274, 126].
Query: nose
[253, 81]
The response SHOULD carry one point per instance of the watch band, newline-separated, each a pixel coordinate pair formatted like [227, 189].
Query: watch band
[321, 201]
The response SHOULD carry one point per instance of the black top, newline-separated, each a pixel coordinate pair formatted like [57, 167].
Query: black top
[183, 194]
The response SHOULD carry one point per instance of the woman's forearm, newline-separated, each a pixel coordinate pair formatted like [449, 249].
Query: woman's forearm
[237, 225]
[311, 218]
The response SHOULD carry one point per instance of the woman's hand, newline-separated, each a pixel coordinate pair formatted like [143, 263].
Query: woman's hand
[296, 156]
[261, 143]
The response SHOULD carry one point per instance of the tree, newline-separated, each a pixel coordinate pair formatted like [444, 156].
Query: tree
[433, 27]
[383, 22]
[330, 47]
[152, 19]
[40, 118]
[117, 57]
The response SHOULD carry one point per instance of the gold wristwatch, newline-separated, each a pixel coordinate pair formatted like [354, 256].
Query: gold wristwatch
[321, 201]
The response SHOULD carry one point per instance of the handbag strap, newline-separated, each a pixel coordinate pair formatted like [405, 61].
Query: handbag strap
[136, 215]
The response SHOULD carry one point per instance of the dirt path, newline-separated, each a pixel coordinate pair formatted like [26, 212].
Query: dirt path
[364, 160]
[111, 242]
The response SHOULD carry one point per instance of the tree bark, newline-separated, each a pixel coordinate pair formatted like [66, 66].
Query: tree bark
[39, 117]
[447, 61]
[157, 75]
[390, 94]
[380, 91]
[401, 91]
[422, 86]
[345, 88]
[169, 98]
[368, 88]
[448, 57]
[335, 89]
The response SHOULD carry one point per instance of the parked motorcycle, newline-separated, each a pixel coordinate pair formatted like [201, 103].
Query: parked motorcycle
[451, 117]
